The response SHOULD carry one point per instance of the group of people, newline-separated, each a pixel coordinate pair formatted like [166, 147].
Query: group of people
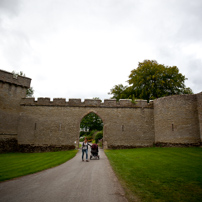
[85, 145]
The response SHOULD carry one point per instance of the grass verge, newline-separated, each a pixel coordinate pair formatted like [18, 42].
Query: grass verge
[159, 174]
[14, 165]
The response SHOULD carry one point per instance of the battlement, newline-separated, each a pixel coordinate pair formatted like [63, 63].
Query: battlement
[108, 103]
[7, 77]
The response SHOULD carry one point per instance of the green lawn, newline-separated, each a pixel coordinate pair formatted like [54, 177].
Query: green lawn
[18, 164]
[159, 174]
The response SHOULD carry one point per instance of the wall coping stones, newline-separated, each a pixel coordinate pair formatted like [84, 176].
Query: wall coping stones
[108, 103]
[7, 77]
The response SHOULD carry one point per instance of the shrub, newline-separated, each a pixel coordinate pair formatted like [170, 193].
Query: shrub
[81, 139]
[89, 138]
[83, 133]
[98, 136]
[100, 143]
[92, 133]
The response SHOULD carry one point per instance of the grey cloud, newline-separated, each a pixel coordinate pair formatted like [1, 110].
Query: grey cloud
[14, 42]
[139, 28]
[195, 69]
[190, 28]
[10, 7]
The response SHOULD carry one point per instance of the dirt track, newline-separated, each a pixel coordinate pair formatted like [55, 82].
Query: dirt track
[73, 181]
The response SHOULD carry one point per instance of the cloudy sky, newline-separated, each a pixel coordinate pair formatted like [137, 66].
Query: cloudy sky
[82, 48]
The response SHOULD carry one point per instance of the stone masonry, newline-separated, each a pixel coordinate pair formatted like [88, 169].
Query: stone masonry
[29, 125]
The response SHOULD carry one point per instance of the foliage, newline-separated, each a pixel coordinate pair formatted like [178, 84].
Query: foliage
[151, 80]
[84, 133]
[98, 136]
[92, 133]
[18, 164]
[100, 144]
[89, 138]
[92, 136]
[96, 98]
[159, 174]
[81, 139]
[30, 91]
[91, 122]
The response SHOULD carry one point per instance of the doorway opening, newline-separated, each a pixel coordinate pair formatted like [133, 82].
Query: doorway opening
[91, 127]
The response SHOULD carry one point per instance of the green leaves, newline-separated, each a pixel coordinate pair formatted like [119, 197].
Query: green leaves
[91, 122]
[151, 80]
[119, 92]
[30, 92]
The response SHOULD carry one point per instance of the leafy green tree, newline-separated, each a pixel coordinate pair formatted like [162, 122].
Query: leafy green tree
[30, 91]
[119, 92]
[151, 80]
[91, 122]
[122, 92]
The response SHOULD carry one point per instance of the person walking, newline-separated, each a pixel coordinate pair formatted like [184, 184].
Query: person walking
[85, 149]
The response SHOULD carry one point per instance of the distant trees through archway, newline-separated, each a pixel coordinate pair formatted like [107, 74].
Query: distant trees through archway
[91, 126]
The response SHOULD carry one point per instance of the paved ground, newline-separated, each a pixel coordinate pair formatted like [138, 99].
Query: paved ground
[73, 181]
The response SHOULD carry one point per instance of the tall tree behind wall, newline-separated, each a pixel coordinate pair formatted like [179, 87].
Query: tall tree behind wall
[151, 80]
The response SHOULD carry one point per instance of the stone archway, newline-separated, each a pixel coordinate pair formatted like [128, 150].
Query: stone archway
[90, 117]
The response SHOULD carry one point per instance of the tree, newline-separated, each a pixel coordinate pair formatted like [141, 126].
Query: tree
[118, 92]
[30, 91]
[91, 122]
[122, 92]
[152, 80]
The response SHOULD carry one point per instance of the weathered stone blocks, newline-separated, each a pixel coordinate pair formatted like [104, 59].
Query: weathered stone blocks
[59, 101]
[74, 102]
[92, 102]
[45, 125]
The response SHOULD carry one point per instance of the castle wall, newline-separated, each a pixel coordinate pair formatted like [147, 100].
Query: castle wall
[46, 123]
[11, 92]
[28, 125]
[199, 104]
[176, 120]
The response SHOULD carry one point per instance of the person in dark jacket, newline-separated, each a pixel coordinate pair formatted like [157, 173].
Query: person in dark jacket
[85, 149]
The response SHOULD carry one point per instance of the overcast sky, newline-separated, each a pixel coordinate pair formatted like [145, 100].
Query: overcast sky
[82, 48]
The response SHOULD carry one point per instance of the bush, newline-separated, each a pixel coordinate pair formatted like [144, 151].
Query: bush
[83, 133]
[100, 143]
[98, 136]
[89, 138]
[81, 139]
[92, 133]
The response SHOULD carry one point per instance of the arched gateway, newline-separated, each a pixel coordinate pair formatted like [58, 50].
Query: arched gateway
[58, 122]
[54, 125]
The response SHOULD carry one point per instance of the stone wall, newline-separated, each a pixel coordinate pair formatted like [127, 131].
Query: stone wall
[45, 123]
[176, 120]
[30, 125]
[8, 143]
[199, 105]
[12, 89]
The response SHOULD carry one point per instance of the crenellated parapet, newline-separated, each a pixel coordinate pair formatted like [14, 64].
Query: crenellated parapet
[108, 103]
[7, 77]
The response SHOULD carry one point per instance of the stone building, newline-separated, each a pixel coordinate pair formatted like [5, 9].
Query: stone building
[28, 125]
